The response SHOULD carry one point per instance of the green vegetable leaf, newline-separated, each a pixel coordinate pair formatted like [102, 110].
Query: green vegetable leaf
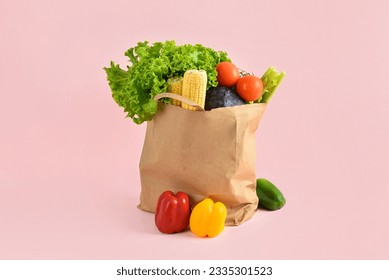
[271, 80]
[151, 67]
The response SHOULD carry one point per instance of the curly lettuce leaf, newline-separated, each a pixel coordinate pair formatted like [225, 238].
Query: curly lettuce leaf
[151, 67]
[271, 80]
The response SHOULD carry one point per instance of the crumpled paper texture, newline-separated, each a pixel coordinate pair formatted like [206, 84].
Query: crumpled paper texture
[205, 154]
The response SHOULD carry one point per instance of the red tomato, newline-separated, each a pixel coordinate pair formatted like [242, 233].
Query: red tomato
[227, 74]
[249, 87]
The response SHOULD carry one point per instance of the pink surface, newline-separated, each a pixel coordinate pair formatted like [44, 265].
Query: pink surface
[69, 181]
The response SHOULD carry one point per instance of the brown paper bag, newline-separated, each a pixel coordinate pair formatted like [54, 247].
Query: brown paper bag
[203, 153]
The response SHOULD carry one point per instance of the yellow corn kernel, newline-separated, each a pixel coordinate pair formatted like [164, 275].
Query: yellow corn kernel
[194, 87]
[174, 85]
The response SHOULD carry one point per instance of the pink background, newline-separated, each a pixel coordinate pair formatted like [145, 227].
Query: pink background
[69, 180]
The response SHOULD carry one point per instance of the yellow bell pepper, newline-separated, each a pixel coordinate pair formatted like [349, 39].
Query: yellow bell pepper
[208, 218]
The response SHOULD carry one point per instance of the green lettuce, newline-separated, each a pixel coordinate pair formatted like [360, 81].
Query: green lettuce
[151, 66]
[271, 80]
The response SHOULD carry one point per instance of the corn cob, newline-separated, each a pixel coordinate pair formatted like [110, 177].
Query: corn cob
[174, 85]
[194, 87]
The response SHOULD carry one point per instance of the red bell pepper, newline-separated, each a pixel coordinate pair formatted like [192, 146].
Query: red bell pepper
[173, 212]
